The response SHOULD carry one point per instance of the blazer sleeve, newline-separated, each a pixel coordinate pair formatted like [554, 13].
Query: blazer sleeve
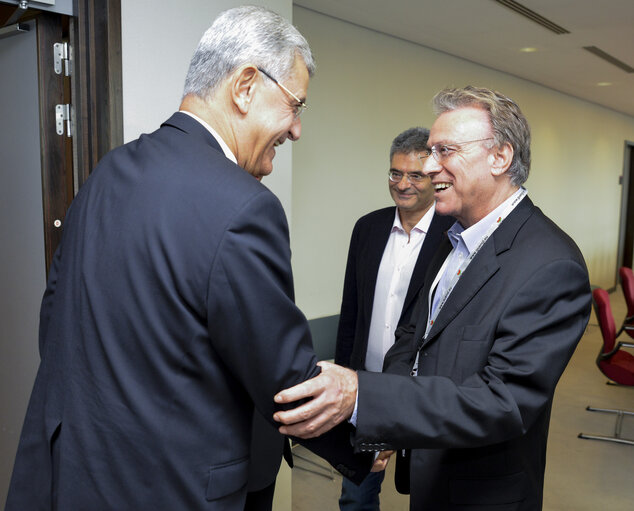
[349, 305]
[255, 326]
[254, 323]
[531, 343]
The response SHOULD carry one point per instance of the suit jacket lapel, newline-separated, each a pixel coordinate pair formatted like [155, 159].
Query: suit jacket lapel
[377, 240]
[432, 239]
[432, 270]
[483, 266]
[481, 269]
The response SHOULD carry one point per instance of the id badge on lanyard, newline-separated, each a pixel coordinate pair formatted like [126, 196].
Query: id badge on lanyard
[431, 318]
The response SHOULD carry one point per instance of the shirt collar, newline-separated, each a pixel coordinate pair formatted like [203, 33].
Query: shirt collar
[472, 236]
[214, 133]
[422, 225]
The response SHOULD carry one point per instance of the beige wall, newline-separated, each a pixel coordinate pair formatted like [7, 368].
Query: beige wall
[369, 87]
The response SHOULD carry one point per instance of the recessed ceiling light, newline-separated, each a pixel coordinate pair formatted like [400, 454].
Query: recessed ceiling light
[528, 50]
[604, 84]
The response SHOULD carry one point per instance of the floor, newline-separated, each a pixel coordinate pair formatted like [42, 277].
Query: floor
[581, 475]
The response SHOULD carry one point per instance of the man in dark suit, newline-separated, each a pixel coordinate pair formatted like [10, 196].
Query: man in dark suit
[469, 386]
[388, 256]
[169, 316]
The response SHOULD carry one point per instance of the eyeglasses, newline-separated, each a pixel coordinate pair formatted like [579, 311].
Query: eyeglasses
[299, 108]
[441, 152]
[396, 176]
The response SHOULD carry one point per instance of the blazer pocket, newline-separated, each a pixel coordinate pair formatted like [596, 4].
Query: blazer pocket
[227, 479]
[472, 352]
[509, 489]
[475, 332]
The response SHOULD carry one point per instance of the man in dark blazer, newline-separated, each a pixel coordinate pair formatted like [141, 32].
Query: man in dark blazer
[469, 385]
[168, 318]
[388, 256]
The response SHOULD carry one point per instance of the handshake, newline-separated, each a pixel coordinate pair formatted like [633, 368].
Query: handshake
[331, 398]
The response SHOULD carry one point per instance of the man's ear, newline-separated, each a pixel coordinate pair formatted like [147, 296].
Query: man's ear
[243, 85]
[502, 157]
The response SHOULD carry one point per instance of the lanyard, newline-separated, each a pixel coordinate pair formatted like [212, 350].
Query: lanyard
[460, 271]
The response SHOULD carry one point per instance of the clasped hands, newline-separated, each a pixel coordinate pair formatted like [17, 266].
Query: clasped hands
[331, 399]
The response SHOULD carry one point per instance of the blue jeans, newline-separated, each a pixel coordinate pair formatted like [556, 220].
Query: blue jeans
[364, 497]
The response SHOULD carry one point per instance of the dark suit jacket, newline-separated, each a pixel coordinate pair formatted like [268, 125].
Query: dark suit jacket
[168, 318]
[477, 414]
[367, 244]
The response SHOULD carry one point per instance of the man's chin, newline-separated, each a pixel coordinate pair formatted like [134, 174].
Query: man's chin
[259, 173]
[404, 204]
[262, 174]
[444, 209]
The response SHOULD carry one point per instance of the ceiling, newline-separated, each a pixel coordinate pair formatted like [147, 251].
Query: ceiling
[492, 34]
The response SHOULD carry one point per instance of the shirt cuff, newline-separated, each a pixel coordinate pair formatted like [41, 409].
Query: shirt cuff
[353, 419]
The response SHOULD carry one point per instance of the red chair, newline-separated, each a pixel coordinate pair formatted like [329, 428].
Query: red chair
[627, 285]
[613, 361]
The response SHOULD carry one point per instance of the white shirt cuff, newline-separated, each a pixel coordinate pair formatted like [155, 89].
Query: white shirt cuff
[353, 418]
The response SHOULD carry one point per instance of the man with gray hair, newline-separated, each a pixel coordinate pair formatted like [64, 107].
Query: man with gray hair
[390, 249]
[169, 318]
[468, 387]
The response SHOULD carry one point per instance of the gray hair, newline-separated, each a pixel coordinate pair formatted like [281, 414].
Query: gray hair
[242, 35]
[412, 140]
[506, 118]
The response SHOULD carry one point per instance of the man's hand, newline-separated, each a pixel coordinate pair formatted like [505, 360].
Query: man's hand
[380, 463]
[333, 394]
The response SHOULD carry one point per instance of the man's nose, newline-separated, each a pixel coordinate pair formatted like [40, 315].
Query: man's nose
[295, 131]
[430, 165]
[404, 183]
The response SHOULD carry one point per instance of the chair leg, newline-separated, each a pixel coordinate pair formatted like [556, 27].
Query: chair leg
[620, 414]
[614, 384]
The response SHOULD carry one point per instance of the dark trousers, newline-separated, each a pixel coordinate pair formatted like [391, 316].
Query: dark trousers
[364, 497]
[261, 500]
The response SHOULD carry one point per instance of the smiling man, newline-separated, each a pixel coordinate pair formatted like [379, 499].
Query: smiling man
[468, 387]
[389, 252]
[169, 318]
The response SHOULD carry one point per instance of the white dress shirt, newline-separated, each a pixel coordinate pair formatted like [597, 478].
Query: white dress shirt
[464, 242]
[395, 271]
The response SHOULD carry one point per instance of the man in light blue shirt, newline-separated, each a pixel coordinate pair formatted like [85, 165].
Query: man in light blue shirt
[468, 387]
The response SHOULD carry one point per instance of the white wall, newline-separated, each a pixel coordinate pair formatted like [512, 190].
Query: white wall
[158, 40]
[369, 87]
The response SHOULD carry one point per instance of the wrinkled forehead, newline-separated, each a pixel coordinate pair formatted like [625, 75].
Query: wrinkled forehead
[466, 123]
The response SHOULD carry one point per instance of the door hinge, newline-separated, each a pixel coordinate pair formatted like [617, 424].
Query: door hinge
[63, 118]
[62, 57]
